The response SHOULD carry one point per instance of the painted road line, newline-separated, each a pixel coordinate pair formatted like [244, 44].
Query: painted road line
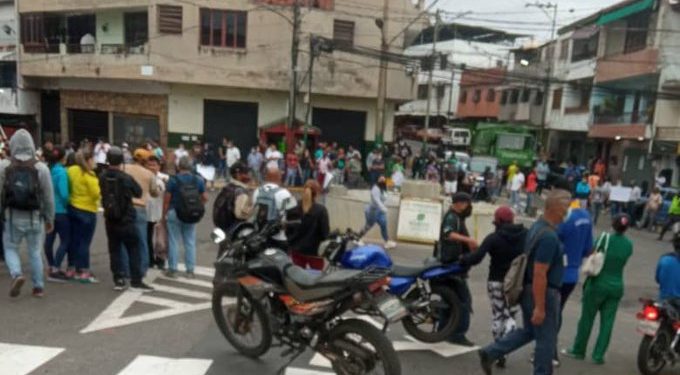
[194, 282]
[149, 365]
[165, 302]
[23, 359]
[302, 371]
[181, 291]
[444, 349]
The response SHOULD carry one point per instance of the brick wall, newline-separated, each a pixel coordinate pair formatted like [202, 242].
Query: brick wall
[133, 104]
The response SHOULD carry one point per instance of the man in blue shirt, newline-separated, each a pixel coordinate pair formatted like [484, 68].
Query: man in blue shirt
[540, 299]
[668, 272]
[576, 234]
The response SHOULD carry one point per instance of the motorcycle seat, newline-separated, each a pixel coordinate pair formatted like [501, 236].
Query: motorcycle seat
[414, 270]
[307, 286]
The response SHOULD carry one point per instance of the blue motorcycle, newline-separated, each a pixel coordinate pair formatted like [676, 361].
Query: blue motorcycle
[433, 306]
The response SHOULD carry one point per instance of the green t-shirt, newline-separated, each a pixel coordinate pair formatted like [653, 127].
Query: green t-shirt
[619, 250]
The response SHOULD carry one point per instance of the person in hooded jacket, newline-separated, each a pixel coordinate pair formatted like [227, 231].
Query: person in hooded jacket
[503, 246]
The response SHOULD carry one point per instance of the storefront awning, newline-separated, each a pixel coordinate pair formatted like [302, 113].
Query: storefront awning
[625, 11]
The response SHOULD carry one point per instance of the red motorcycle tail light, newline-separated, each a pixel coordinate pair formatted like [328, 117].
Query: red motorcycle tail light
[376, 286]
[650, 313]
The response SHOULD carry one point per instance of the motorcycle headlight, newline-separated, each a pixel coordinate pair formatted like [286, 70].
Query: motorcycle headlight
[218, 236]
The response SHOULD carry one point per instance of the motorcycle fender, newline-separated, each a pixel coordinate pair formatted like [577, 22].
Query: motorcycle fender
[256, 287]
[400, 285]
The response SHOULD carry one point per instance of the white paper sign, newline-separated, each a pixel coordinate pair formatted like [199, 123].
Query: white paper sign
[206, 171]
[620, 194]
[419, 221]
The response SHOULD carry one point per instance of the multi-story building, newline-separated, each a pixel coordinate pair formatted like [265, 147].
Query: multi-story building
[458, 45]
[179, 70]
[479, 98]
[18, 106]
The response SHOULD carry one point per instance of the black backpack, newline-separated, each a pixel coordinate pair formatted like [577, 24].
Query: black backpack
[223, 208]
[115, 200]
[190, 209]
[21, 190]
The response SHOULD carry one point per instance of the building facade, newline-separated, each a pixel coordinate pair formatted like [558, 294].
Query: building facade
[178, 71]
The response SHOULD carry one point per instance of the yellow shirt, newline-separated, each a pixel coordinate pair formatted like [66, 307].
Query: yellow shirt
[512, 171]
[85, 192]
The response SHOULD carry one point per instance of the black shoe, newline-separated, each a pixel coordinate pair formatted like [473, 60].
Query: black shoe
[464, 342]
[15, 288]
[501, 362]
[485, 362]
[141, 287]
[119, 285]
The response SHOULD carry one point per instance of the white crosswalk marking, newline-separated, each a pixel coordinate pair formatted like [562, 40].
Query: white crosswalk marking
[149, 365]
[303, 371]
[113, 316]
[22, 359]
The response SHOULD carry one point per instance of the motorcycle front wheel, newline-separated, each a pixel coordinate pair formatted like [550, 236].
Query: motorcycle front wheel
[244, 324]
[359, 348]
[432, 318]
[651, 359]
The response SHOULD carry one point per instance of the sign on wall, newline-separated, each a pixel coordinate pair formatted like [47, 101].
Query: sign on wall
[419, 221]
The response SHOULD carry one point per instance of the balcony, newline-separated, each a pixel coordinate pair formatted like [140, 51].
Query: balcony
[631, 125]
[627, 65]
[621, 119]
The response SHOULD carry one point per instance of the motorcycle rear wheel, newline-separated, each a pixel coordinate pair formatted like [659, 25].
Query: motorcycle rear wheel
[651, 350]
[252, 315]
[425, 323]
[362, 349]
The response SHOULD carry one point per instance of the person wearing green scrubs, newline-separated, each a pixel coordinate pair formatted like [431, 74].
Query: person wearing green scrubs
[602, 293]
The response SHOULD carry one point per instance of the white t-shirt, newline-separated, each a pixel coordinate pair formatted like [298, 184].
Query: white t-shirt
[100, 151]
[635, 194]
[233, 155]
[180, 153]
[274, 157]
[517, 181]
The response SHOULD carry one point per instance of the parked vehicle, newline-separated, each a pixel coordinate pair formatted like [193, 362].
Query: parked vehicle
[506, 143]
[259, 296]
[432, 305]
[659, 323]
[456, 137]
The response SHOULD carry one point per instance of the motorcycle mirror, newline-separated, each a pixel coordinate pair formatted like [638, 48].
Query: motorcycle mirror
[218, 236]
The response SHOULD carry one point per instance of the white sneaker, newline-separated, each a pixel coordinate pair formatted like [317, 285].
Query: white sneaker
[390, 245]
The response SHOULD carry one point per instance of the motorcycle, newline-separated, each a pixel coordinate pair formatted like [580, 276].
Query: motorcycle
[659, 323]
[260, 296]
[433, 307]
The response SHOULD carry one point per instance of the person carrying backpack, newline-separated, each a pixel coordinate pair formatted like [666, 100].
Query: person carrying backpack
[118, 190]
[233, 205]
[28, 210]
[540, 294]
[183, 207]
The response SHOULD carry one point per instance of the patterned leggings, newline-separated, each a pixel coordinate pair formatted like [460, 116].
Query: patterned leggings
[503, 321]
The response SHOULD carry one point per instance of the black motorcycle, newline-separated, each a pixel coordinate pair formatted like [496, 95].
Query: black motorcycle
[659, 323]
[260, 297]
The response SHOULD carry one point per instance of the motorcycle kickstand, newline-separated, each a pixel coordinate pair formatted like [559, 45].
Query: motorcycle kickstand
[384, 328]
[295, 356]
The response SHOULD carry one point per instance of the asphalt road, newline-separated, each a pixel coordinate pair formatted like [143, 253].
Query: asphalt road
[90, 329]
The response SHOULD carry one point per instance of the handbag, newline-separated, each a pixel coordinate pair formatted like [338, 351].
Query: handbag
[593, 264]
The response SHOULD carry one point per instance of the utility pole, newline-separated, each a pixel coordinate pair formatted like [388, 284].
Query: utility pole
[453, 74]
[312, 56]
[435, 36]
[382, 77]
[295, 49]
[548, 70]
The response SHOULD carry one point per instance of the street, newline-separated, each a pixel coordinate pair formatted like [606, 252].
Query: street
[90, 329]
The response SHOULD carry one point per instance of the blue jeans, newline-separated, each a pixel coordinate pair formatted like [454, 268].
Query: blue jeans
[596, 207]
[373, 216]
[83, 225]
[62, 227]
[461, 289]
[545, 335]
[291, 177]
[187, 233]
[141, 226]
[16, 229]
[514, 198]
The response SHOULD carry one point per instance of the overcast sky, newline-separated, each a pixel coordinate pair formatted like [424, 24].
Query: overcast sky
[514, 16]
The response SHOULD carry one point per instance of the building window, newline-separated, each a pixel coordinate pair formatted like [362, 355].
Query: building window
[538, 99]
[463, 96]
[477, 97]
[514, 96]
[8, 74]
[169, 19]
[317, 4]
[441, 91]
[557, 99]
[443, 62]
[223, 28]
[526, 93]
[422, 91]
[136, 29]
[564, 50]
[343, 33]
[504, 97]
[585, 49]
[41, 33]
[426, 63]
[491, 95]
[636, 32]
